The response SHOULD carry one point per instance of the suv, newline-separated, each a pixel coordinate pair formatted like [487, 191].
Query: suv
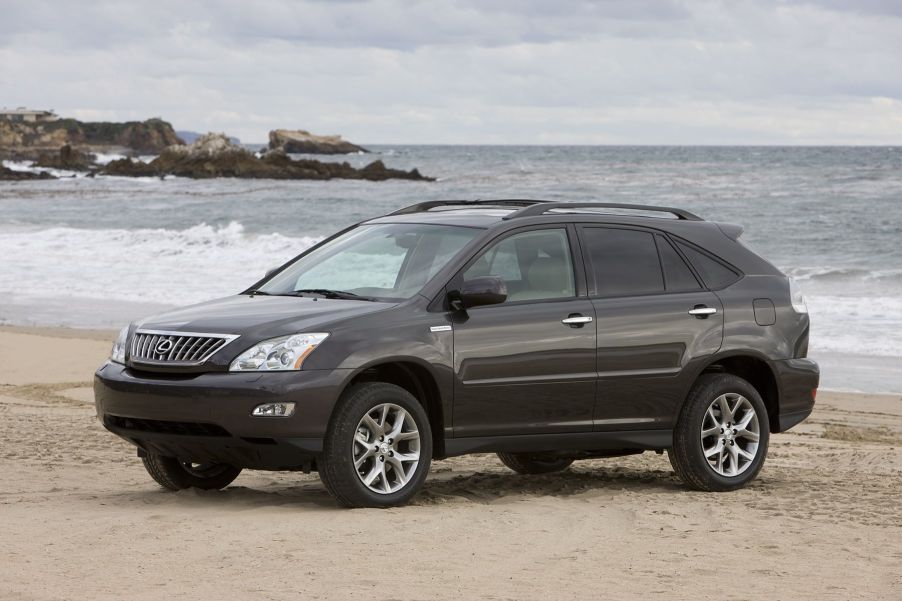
[542, 331]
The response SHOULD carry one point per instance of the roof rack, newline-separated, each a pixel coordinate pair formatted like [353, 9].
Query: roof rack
[431, 204]
[540, 209]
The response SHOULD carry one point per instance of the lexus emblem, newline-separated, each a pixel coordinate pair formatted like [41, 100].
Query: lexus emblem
[163, 347]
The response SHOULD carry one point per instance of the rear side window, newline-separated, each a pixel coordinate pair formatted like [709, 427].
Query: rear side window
[623, 262]
[677, 275]
[715, 274]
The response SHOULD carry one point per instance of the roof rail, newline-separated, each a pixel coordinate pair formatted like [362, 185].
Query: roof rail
[431, 204]
[540, 209]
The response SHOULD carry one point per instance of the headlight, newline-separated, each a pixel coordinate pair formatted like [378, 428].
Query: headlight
[117, 355]
[286, 353]
[797, 298]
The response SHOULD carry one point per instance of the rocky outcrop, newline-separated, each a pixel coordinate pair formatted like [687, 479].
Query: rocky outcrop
[28, 141]
[67, 158]
[298, 141]
[128, 168]
[213, 155]
[10, 175]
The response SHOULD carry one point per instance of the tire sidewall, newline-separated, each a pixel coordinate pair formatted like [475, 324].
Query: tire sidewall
[339, 442]
[691, 423]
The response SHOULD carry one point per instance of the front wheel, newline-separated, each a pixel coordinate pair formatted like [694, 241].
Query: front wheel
[720, 440]
[179, 474]
[378, 447]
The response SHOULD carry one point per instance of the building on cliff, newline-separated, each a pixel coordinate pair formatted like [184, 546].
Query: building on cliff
[24, 115]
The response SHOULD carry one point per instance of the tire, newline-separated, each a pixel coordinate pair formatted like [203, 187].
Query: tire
[704, 454]
[534, 463]
[394, 467]
[175, 474]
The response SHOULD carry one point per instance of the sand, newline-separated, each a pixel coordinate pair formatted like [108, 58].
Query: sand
[80, 519]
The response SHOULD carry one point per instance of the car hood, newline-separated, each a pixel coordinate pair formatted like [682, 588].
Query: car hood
[257, 317]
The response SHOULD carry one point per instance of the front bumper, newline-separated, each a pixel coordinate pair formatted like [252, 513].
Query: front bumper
[798, 380]
[207, 417]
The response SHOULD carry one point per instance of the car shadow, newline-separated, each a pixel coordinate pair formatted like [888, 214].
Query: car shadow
[444, 487]
[491, 487]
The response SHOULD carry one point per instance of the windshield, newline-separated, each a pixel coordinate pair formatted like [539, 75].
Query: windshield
[391, 261]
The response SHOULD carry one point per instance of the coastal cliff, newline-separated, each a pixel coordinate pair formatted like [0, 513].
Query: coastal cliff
[28, 141]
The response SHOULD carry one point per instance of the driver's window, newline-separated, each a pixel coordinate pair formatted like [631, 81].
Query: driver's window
[535, 265]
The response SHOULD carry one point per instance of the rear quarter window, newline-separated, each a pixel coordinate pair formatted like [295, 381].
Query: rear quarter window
[677, 275]
[714, 272]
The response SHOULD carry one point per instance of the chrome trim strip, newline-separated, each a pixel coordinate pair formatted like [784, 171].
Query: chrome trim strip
[624, 420]
[585, 377]
[440, 328]
[668, 371]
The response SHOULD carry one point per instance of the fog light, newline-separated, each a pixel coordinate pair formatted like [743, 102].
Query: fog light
[273, 410]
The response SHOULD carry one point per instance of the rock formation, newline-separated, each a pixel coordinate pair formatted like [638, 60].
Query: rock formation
[67, 158]
[10, 175]
[298, 141]
[213, 155]
[28, 141]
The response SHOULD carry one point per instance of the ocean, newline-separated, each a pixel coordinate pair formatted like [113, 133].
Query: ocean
[99, 252]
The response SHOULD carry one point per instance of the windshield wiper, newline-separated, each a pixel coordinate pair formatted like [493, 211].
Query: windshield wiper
[257, 292]
[331, 294]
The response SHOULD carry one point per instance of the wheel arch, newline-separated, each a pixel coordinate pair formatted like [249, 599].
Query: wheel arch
[416, 377]
[757, 370]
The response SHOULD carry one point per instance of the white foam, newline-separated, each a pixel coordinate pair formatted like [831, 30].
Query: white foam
[28, 167]
[849, 313]
[145, 265]
[103, 158]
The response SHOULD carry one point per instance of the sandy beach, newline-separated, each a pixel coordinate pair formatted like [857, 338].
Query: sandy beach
[80, 519]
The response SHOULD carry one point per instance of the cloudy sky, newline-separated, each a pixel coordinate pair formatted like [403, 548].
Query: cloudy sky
[470, 71]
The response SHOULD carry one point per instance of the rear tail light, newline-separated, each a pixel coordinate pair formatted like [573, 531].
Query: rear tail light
[797, 298]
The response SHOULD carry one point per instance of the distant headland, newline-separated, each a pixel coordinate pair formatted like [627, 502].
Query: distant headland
[51, 142]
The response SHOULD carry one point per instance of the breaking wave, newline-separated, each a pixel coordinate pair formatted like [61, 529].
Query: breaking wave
[142, 265]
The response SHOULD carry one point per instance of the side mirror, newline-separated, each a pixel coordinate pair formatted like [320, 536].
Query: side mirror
[269, 272]
[479, 291]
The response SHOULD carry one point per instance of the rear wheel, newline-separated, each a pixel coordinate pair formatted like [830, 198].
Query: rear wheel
[721, 437]
[179, 474]
[378, 448]
[534, 463]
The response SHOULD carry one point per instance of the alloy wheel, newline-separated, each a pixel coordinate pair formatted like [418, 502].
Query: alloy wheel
[729, 434]
[386, 448]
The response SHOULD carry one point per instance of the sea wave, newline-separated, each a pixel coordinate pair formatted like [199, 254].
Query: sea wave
[852, 310]
[864, 325]
[143, 265]
[843, 273]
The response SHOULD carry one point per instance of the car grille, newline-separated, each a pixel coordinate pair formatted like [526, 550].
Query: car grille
[164, 427]
[156, 347]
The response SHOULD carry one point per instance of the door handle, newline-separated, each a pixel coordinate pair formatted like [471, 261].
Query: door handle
[575, 321]
[702, 312]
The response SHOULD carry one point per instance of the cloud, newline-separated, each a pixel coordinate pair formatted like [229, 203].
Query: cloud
[470, 71]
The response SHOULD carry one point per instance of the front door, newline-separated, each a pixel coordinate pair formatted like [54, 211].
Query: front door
[526, 366]
[653, 317]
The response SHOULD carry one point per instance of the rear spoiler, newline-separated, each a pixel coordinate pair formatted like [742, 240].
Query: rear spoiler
[730, 230]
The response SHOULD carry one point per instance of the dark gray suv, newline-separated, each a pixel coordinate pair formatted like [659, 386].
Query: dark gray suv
[542, 331]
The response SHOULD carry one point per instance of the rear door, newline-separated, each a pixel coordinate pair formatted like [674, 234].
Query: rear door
[526, 366]
[653, 318]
